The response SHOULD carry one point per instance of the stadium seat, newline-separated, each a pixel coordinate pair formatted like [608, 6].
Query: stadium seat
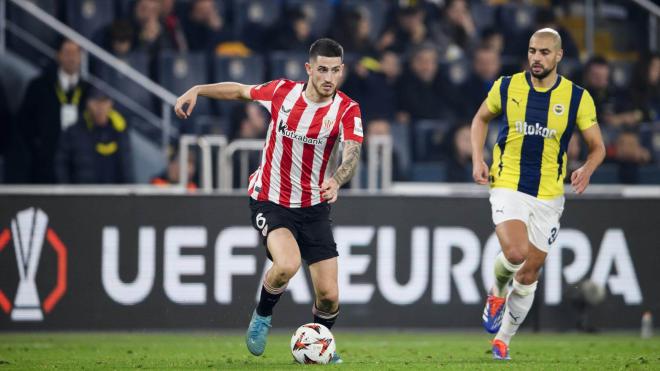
[606, 174]
[622, 72]
[457, 71]
[516, 18]
[245, 70]
[88, 16]
[319, 12]
[429, 172]
[288, 65]
[649, 174]
[119, 81]
[262, 13]
[376, 9]
[429, 135]
[401, 148]
[483, 15]
[178, 72]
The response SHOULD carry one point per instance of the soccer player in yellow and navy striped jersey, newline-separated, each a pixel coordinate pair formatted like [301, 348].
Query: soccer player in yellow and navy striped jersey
[538, 111]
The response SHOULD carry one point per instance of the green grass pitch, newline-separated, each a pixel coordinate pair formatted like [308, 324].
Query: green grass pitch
[377, 350]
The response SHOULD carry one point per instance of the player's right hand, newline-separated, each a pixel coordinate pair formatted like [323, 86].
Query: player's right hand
[480, 172]
[189, 98]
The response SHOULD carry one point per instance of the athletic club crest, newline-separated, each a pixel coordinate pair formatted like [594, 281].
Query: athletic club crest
[328, 123]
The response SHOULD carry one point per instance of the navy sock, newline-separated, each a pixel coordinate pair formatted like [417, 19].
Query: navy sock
[325, 318]
[269, 297]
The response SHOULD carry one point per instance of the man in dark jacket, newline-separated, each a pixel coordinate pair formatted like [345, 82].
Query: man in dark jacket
[96, 150]
[53, 102]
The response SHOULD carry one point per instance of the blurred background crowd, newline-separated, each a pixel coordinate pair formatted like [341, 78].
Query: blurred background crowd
[418, 68]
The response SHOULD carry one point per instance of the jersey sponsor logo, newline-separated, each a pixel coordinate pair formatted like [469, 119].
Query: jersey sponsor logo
[558, 109]
[516, 101]
[535, 130]
[284, 130]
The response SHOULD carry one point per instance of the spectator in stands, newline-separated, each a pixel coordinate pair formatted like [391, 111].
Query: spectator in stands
[459, 164]
[293, 32]
[630, 155]
[545, 17]
[486, 67]
[421, 92]
[248, 121]
[52, 102]
[645, 88]
[170, 177]
[150, 36]
[608, 106]
[96, 150]
[120, 40]
[456, 33]
[493, 38]
[173, 28]
[205, 28]
[373, 84]
[407, 33]
[354, 32]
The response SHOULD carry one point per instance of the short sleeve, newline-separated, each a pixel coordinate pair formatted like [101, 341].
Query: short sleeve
[351, 124]
[586, 115]
[494, 99]
[263, 94]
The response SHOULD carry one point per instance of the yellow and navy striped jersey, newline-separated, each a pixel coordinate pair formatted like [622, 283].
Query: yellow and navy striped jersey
[535, 127]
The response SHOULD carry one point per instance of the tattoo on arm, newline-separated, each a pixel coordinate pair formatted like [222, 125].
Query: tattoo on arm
[350, 160]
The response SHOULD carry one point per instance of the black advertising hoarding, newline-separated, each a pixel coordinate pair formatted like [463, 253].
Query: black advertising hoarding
[140, 261]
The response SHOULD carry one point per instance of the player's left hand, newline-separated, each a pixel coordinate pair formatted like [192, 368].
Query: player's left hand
[580, 180]
[329, 190]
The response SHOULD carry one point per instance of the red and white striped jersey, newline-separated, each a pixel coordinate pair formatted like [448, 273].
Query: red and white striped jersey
[300, 149]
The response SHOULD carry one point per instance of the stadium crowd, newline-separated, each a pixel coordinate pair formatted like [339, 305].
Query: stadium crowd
[419, 69]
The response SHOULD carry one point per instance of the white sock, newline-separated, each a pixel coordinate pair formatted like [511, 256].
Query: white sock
[504, 271]
[517, 306]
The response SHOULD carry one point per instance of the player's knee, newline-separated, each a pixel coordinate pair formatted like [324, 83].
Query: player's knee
[285, 270]
[328, 298]
[515, 254]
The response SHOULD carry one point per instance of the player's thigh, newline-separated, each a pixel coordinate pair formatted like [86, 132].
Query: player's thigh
[514, 240]
[324, 279]
[510, 215]
[283, 249]
[544, 223]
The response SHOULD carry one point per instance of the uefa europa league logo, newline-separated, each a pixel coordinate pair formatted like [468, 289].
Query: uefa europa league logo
[28, 229]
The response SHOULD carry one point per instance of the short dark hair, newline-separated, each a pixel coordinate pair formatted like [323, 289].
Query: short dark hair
[596, 61]
[326, 48]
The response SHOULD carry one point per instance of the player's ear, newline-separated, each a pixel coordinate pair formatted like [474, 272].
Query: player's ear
[560, 55]
[308, 68]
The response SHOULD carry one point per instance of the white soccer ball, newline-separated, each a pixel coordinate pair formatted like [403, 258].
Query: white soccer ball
[312, 343]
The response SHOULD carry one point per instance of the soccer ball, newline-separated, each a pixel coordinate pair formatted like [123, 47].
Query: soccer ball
[312, 343]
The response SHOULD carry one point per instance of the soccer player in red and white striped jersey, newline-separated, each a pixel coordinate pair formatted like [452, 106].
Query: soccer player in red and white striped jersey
[291, 190]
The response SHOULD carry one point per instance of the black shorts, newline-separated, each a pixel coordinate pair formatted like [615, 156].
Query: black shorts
[310, 226]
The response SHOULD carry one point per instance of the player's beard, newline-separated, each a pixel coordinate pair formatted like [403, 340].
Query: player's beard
[321, 93]
[543, 74]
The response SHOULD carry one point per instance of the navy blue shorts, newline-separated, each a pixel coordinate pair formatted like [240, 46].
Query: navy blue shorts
[310, 226]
